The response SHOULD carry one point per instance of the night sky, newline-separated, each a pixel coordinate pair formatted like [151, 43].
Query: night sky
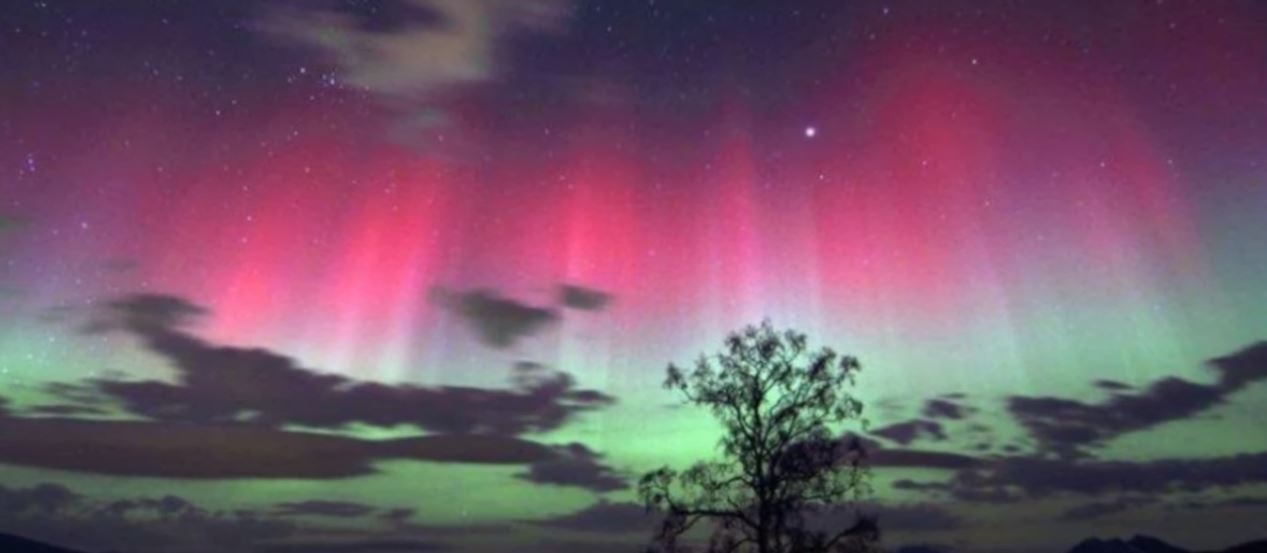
[359, 276]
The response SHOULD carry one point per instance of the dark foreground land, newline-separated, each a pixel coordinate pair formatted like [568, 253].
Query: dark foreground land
[1137, 544]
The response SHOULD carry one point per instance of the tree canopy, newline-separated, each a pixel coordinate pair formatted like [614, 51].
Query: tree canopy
[786, 476]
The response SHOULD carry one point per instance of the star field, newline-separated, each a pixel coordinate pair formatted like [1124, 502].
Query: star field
[411, 270]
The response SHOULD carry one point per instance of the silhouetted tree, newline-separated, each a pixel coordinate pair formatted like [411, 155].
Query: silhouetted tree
[785, 473]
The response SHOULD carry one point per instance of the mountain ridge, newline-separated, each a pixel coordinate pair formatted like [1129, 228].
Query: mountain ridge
[10, 543]
[1142, 543]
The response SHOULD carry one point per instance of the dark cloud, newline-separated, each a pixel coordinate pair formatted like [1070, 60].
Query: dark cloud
[1242, 368]
[898, 517]
[914, 517]
[40, 500]
[906, 432]
[1066, 427]
[582, 298]
[1232, 502]
[165, 505]
[147, 315]
[575, 465]
[1010, 479]
[499, 321]
[876, 454]
[917, 486]
[219, 384]
[367, 546]
[1243, 502]
[960, 492]
[77, 401]
[598, 545]
[183, 450]
[606, 517]
[889, 407]
[1112, 385]
[1098, 509]
[54, 514]
[65, 410]
[945, 408]
[325, 508]
[924, 548]
[397, 515]
[243, 401]
[78, 394]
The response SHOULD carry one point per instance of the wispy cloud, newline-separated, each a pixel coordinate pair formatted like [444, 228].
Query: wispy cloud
[409, 52]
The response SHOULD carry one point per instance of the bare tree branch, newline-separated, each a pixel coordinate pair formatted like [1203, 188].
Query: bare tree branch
[780, 407]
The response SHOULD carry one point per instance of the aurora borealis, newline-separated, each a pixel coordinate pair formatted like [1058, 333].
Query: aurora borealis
[356, 275]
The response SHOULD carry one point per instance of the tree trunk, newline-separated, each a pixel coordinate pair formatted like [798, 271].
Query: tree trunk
[763, 529]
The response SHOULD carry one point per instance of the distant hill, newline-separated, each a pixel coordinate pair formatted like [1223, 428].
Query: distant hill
[1259, 546]
[923, 549]
[1149, 544]
[14, 544]
[1097, 545]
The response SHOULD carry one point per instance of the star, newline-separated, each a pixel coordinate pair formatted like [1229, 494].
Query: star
[811, 131]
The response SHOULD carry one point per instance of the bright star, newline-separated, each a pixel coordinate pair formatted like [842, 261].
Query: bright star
[811, 132]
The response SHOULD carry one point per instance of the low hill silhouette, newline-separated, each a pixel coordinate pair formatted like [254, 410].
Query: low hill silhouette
[10, 543]
[1256, 546]
[1150, 544]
